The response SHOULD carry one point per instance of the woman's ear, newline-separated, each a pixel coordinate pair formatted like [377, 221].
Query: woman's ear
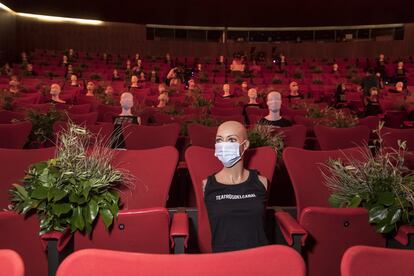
[246, 144]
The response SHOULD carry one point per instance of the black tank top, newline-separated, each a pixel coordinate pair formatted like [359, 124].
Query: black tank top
[236, 213]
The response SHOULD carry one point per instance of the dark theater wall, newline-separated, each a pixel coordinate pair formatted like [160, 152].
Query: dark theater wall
[131, 38]
[7, 36]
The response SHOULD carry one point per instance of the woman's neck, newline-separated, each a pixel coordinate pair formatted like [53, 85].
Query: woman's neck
[273, 116]
[252, 101]
[235, 174]
[89, 93]
[126, 112]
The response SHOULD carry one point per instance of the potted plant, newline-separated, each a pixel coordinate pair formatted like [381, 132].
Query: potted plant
[340, 119]
[74, 188]
[263, 135]
[297, 74]
[379, 182]
[42, 125]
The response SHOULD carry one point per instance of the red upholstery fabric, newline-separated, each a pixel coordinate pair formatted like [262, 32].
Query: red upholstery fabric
[22, 235]
[331, 138]
[202, 136]
[6, 116]
[395, 119]
[146, 137]
[235, 117]
[201, 163]
[138, 230]
[331, 230]
[13, 164]
[403, 233]
[11, 263]
[391, 136]
[294, 136]
[263, 261]
[82, 119]
[153, 170]
[289, 227]
[371, 122]
[180, 227]
[14, 136]
[103, 109]
[367, 261]
[75, 109]
[217, 111]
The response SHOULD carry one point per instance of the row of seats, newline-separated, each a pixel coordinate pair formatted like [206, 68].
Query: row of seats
[145, 225]
[270, 260]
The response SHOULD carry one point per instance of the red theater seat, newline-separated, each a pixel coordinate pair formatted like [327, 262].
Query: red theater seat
[203, 136]
[201, 163]
[325, 233]
[367, 261]
[331, 138]
[14, 136]
[263, 261]
[146, 137]
[11, 263]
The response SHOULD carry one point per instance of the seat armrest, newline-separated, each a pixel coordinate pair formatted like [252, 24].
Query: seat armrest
[62, 239]
[290, 228]
[179, 232]
[404, 233]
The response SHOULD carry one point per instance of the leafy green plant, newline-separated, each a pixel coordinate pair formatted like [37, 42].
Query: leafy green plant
[50, 74]
[42, 124]
[74, 188]
[317, 81]
[379, 182]
[263, 135]
[277, 81]
[317, 70]
[314, 111]
[6, 100]
[202, 77]
[238, 80]
[297, 74]
[95, 77]
[340, 119]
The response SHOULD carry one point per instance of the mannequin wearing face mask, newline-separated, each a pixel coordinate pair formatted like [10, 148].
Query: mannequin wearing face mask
[372, 105]
[235, 197]
[124, 118]
[54, 92]
[274, 103]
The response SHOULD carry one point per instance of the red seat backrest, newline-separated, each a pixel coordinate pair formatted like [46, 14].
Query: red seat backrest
[84, 119]
[391, 136]
[331, 138]
[305, 170]
[217, 111]
[371, 122]
[201, 163]
[14, 163]
[294, 136]
[22, 235]
[203, 136]
[153, 170]
[11, 263]
[146, 137]
[7, 116]
[14, 136]
[368, 260]
[264, 261]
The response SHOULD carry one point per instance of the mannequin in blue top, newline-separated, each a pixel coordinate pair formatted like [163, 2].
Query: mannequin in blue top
[235, 197]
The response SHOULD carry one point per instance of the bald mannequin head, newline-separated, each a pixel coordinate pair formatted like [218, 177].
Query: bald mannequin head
[232, 131]
[274, 101]
[252, 94]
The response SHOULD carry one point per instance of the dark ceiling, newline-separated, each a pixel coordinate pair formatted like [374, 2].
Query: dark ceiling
[244, 13]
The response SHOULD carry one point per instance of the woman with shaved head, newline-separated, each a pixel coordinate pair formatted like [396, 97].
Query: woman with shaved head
[235, 197]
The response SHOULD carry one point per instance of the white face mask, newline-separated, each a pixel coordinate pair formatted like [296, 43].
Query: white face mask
[228, 153]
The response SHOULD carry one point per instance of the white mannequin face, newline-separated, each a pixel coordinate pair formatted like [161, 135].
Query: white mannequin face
[115, 72]
[294, 87]
[335, 67]
[381, 56]
[199, 67]
[244, 85]
[400, 64]
[252, 93]
[70, 51]
[226, 88]
[73, 78]
[109, 90]
[221, 59]
[90, 86]
[127, 101]
[274, 101]
[134, 79]
[399, 86]
[191, 84]
[55, 89]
